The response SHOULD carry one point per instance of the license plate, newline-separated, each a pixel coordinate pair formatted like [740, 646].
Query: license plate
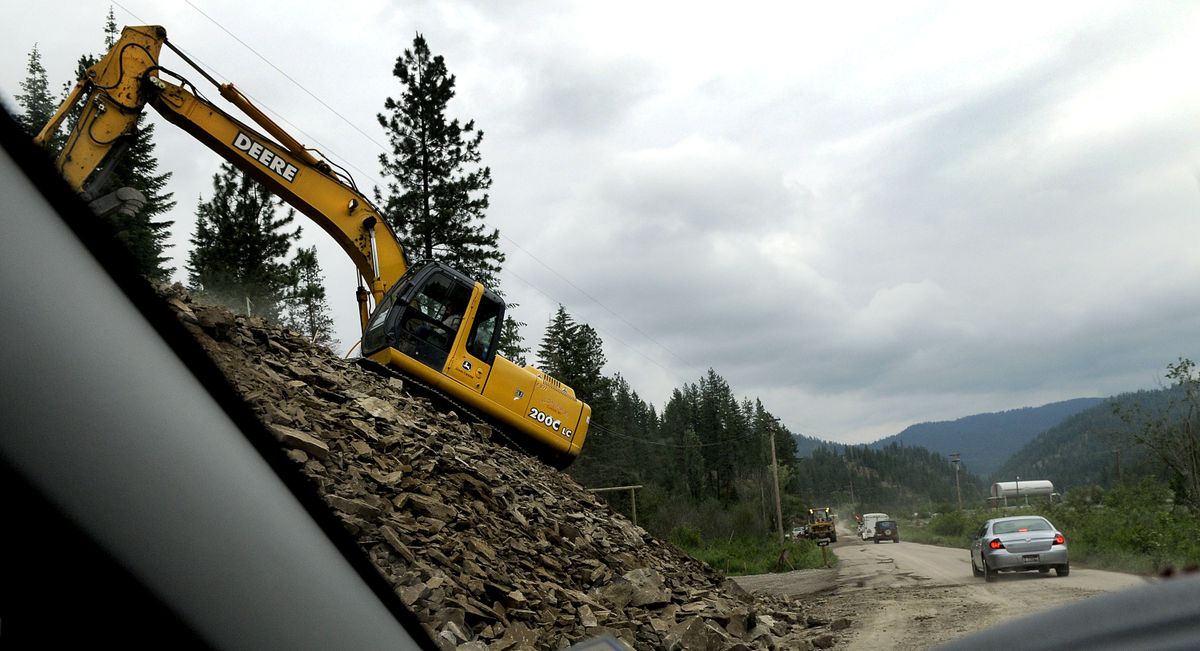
[1030, 558]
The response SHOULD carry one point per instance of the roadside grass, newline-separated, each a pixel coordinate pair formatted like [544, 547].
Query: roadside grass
[740, 556]
[918, 531]
[1133, 528]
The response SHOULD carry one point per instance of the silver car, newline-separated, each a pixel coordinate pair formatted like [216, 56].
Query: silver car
[1019, 544]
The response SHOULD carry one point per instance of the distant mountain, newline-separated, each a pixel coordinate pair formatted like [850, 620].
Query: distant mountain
[986, 441]
[806, 445]
[1085, 449]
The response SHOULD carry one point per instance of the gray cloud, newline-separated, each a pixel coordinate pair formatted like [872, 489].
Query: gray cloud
[865, 220]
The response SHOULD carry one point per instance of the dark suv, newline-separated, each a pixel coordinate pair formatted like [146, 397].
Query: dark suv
[887, 530]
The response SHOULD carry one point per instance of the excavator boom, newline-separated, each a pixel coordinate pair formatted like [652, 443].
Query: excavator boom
[432, 322]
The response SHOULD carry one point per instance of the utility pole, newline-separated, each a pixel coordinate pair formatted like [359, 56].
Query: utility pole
[762, 498]
[954, 458]
[632, 496]
[775, 472]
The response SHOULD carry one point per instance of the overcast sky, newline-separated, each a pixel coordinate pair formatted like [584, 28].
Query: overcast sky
[866, 217]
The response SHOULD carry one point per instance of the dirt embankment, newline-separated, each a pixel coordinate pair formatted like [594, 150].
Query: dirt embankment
[490, 548]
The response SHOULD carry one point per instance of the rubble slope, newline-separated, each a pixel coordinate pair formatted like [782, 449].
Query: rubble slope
[490, 548]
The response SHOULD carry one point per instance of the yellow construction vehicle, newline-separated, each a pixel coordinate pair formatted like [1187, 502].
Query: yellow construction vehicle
[431, 322]
[820, 524]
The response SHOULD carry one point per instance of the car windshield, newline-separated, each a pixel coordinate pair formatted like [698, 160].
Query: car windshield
[1021, 526]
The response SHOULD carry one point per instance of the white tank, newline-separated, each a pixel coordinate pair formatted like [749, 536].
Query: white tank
[1028, 488]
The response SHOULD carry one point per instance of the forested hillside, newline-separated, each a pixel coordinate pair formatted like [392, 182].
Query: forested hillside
[889, 479]
[1085, 449]
[807, 445]
[704, 464]
[986, 441]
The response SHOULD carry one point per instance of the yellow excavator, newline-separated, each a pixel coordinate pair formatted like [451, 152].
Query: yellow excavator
[430, 322]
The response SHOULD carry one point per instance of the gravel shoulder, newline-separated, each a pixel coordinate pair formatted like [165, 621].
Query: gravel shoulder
[911, 596]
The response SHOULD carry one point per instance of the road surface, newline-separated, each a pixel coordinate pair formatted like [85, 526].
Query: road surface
[910, 596]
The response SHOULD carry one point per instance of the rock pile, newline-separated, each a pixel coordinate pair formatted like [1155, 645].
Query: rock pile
[490, 548]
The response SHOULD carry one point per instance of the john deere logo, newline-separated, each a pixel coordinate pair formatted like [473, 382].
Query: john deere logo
[267, 158]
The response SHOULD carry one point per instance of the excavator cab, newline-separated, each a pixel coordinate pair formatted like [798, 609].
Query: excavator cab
[424, 313]
[443, 328]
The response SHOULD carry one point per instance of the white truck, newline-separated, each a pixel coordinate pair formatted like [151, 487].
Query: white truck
[867, 530]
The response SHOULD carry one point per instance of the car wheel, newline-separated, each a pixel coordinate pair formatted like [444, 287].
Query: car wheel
[975, 570]
[989, 574]
[1063, 570]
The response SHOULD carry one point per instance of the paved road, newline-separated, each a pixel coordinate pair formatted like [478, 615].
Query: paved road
[910, 596]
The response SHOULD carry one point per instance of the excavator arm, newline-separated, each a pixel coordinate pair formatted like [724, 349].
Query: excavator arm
[116, 90]
[433, 323]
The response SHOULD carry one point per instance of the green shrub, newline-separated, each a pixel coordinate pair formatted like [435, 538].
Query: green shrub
[752, 555]
[686, 537]
[956, 528]
[1130, 528]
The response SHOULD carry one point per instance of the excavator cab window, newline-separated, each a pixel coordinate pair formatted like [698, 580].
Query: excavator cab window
[378, 334]
[486, 334]
[429, 322]
[373, 339]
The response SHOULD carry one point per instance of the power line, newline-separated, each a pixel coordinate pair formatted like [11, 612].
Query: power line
[323, 149]
[285, 75]
[126, 10]
[597, 302]
[606, 334]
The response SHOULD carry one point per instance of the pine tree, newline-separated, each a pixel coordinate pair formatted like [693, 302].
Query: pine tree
[438, 192]
[574, 354]
[144, 235]
[110, 29]
[585, 359]
[239, 246]
[512, 344]
[37, 106]
[687, 472]
[552, 352]
[306, 310]
[722, 426]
